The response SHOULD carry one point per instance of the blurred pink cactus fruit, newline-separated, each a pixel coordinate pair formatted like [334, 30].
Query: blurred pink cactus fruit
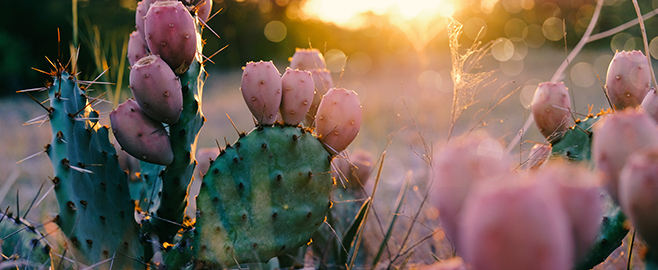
[139, 135]
[628, 79]
[261, 90]
[338, 119]
[461, 165]
[515, 225]
[650, 104]
[577, 188]
[157, 89]
[358, 174]
[307, 59]
[170, 33]
[638, 193]
[539, 154]
[618, 135]
[297, 96]
[551, 108]
[205, 157]
[136, 47]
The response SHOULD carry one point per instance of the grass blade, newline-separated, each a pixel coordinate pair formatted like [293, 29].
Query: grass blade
[398, 207]
[350, 235]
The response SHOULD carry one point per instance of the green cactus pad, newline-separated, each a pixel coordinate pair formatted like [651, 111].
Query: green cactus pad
[262, 197]
[96, 211]
[22, 243]
[576, 144]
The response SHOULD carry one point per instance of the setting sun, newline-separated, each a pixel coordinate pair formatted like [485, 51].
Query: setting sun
[349, 13]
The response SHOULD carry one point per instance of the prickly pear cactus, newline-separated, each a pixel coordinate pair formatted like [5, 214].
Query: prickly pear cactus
[92, 190]
[263, 196]
[576, 145]
[23, 243]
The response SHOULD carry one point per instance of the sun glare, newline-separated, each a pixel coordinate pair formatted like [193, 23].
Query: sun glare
[349, 13]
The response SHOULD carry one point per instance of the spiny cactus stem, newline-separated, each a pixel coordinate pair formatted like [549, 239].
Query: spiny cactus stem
[169, 213]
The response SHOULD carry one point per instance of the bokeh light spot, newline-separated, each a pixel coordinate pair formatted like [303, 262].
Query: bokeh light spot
[520, 50]
[275, 31]
[618, 41]
[473, 26]
[359, 62]
[582, 74]
[528, 92]
[512, 68]
[427, 79]
[514, 29]
[653, 48]
[533, 36]
[335, 60]
[398, 42]
[601, 65]
[503, 49]
[553, 29]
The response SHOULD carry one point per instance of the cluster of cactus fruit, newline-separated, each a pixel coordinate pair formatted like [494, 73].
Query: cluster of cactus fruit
[555, 212]
[263, 196]
[267, 194]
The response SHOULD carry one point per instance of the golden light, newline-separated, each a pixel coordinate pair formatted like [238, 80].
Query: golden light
[419, 20]
[349, 13]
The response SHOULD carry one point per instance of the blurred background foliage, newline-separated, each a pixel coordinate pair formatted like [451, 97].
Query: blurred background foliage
[272, 29]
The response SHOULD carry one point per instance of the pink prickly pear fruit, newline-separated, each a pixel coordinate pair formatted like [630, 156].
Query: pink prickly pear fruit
[140, 13]
[261, 90]
[539, 154]
[358, 174]
[515, 225]
[203, 9]
[650, 104]
[616, 137]
[170, 32]
[307, 59]
[338, 119]
[139, 135]
[136, 47]
[628, 79]
[638, 193]
[461, 165]
[323, 82]
[205, 158]
[157, 89]
[577, 188]
[551, 108]
[297, 96]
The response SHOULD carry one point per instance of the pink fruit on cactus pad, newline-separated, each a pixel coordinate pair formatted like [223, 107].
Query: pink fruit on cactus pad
[140, 13]
[650, 104]
[139, 135]
[203, 9]
[617, 136]
[136, 47]
[638, 193]
[539, 154]
[261, 90]
[515, 224]
[578, 190]
[170, 33]
[628, 79]
[551, 108]
[338, 119]
[307, 59]
[457, 168]
[323, 82]
[297, 95]
[156, 89]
